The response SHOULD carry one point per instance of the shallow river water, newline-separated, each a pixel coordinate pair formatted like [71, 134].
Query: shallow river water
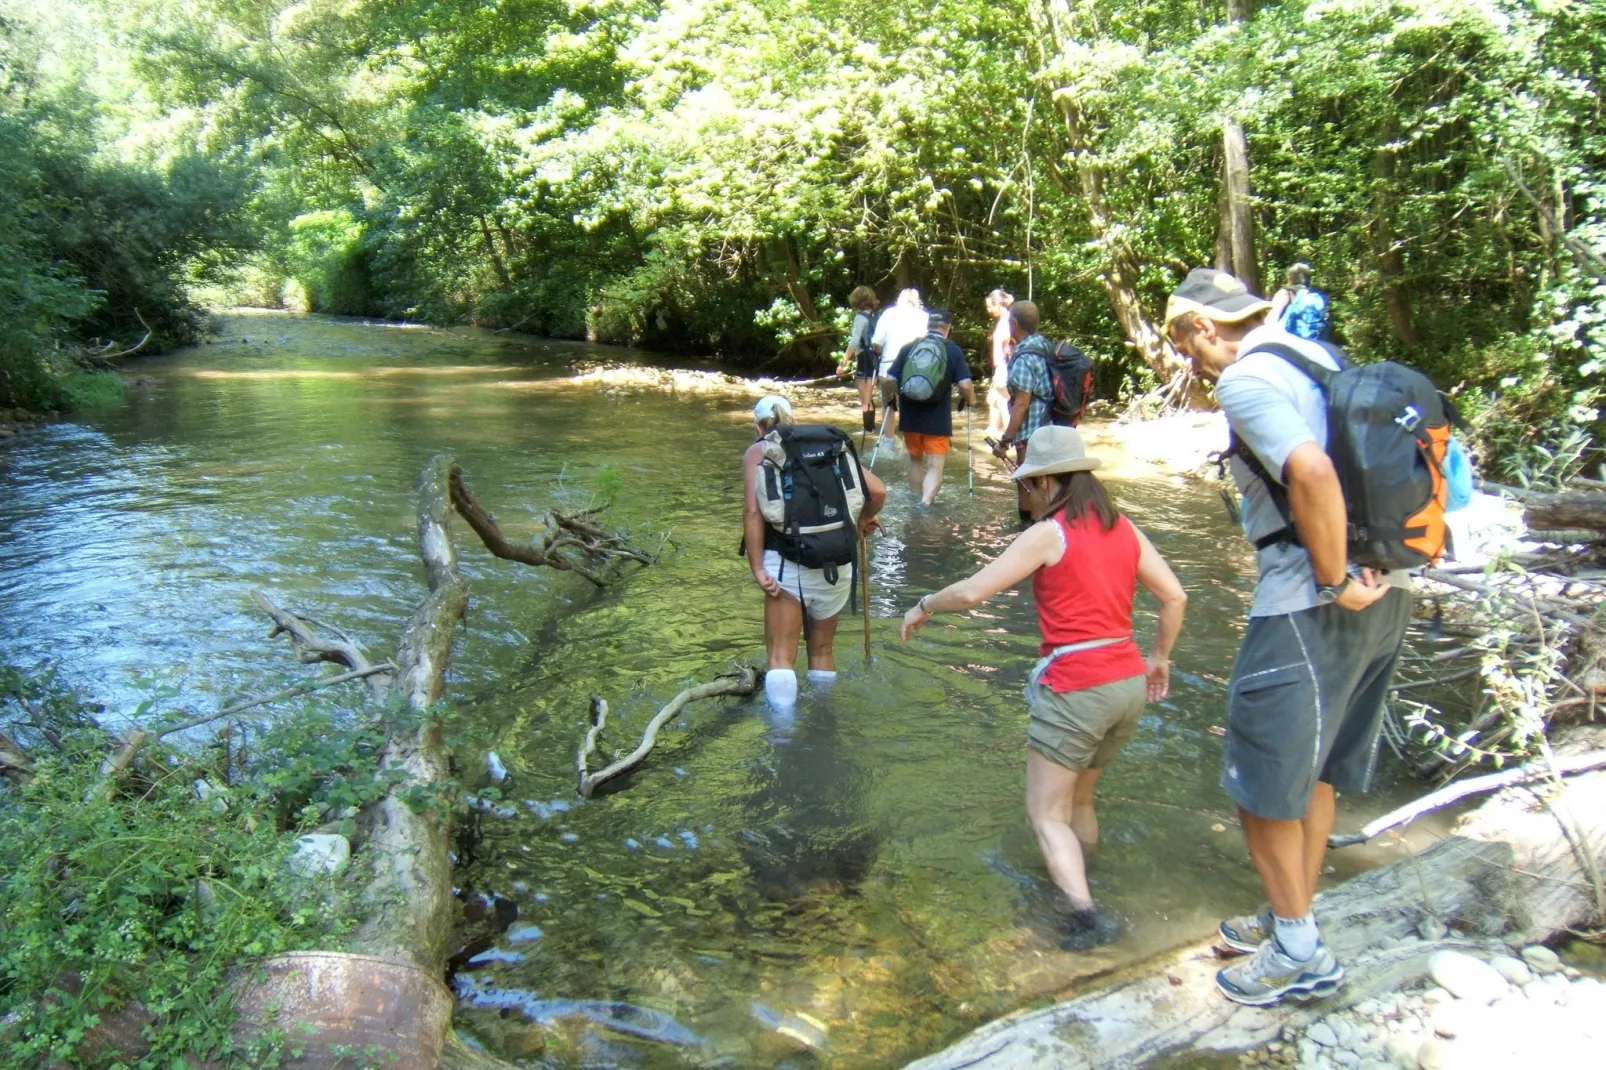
[850, 887]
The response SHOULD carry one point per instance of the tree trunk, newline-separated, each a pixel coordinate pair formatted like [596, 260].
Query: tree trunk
[1585, 509]
[496, 257]
[1507, 868]
[1237, 218]
[1386, 249]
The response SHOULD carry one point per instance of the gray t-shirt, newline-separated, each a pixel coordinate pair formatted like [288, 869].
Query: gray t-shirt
[1275, 408]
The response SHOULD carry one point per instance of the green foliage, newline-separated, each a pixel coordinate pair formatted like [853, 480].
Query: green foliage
[154, 894]
[86, 390]
[326, 256]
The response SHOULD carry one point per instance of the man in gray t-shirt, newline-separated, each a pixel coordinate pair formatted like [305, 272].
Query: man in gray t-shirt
[1305, 702]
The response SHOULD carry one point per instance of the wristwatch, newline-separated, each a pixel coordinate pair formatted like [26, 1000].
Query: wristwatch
[1330, 592]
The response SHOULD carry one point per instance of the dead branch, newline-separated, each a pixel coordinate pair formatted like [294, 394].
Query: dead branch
[564, 532]
[112, 769]
[137, 345]
[1475, 786]
[312, 647]
[742, 682]
[289, 692]
[15, 764]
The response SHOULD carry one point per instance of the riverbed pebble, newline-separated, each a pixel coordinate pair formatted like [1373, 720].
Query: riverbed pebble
[1468, 1014]
[1541, 959]
[1465, 977]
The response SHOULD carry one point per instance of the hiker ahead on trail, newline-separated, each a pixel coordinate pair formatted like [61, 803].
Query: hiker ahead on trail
[808, 503]
[1305, 702]
[898, 326]
[926, 372]
[1299, 309]
[860, 356]
[1000, 342]
[1087, 692]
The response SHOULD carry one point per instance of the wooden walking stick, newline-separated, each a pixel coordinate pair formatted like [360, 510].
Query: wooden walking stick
[864, 588]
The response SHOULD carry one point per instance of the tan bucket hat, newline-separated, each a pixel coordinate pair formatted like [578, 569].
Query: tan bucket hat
[1054, 450]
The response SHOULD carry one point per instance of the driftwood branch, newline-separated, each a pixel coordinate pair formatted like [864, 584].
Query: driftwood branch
[289, 692]
[1437, 800]
[137, 346]
[313, 647]
[742, 682]
[564, 532]
[15, 765]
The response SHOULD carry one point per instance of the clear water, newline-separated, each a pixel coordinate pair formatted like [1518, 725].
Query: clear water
[849, 888]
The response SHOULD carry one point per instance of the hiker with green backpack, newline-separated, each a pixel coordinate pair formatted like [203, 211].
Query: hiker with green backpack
[810, 505]
[926, 372]
[1342, 472]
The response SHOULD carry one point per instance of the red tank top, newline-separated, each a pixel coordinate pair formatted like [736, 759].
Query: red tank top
[1088, 595]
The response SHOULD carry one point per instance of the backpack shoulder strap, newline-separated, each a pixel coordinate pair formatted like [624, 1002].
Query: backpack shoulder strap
[1322, 374]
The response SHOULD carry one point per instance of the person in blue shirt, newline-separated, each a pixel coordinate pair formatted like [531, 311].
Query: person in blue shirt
[1299, 309]
[928, 426]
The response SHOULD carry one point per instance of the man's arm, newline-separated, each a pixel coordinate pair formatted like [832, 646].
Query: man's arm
[1317, 501]
[1019, 402]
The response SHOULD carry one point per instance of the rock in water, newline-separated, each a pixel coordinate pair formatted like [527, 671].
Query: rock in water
[494, 767]
[1513, 970]
[1437, 1054]
[1323, 1034]
[1401, 1050]
[1541, 959]
[319, 852]
[1465, 977]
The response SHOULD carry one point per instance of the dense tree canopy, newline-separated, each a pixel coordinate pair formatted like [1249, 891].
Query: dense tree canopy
[715, 175]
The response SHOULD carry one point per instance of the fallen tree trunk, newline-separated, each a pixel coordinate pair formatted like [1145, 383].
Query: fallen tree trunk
[1575, 509]
[1507, 870]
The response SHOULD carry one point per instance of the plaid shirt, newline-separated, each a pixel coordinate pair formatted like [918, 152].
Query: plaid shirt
[1028, 371]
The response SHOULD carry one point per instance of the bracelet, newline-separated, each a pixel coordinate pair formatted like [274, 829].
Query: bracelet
[921, 605]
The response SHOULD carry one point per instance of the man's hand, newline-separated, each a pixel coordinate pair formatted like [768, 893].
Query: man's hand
[1157, 676]
[763, 578]
[868, 526]
[1001, 451]
[1362, 592]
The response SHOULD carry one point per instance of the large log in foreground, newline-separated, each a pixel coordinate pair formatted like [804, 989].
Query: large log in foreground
[1507, 871]
[1577, 509]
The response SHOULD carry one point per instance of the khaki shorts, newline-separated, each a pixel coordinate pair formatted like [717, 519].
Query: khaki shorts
[1085, 729]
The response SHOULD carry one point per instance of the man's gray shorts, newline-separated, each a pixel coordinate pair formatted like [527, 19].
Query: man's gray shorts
[1305, 703]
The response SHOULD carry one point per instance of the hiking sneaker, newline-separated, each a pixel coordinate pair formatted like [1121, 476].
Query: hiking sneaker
[1247, 931]
[1086, 929]
[1269, 976]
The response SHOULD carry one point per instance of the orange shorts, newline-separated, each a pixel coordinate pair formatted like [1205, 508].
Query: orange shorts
[919, 445]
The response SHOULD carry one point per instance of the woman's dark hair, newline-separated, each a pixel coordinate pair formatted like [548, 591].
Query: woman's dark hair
[862, 298]
[1078, 493]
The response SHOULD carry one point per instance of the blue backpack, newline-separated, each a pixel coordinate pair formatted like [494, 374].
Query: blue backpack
[1306, 315]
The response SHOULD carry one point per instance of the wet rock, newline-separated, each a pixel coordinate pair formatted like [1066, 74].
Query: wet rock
[1308, 1051]
[1323, 1034]
[1451, 1019]
[1515, 971]
[1438, 1054]
[1541, 959]
[1345, 1057]
[318, 853]
[1431, 929]
[1572, 973]
[1401, 1050]
[1466, 977]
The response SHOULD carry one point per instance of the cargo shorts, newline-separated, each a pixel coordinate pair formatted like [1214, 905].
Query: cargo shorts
[1305, 703]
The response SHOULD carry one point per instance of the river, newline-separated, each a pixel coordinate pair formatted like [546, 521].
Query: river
[851, 887]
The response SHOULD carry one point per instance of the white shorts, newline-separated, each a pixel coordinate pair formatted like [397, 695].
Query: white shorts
[808, 586]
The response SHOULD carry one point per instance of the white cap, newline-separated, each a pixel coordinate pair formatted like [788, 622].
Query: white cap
[771, 407]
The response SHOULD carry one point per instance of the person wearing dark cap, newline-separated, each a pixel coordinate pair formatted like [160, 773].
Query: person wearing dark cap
[926, 372]
[1305, 702]
[1087, 692]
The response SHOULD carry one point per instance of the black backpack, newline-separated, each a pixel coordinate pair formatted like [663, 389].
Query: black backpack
[1388, 428]
[811, 492]
[1071, 372]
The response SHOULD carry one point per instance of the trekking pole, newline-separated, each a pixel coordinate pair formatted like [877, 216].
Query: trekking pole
[864, 583]
[970, 454]
[884, 421]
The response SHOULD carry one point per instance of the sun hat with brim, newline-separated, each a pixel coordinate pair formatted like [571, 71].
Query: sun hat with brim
[1055, 450]
[1215, 295]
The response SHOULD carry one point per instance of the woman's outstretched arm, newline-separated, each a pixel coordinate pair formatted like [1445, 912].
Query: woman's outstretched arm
[1158, 579]
[1039, 545]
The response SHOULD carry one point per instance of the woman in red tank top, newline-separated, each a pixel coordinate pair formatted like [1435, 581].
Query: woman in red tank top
[1087, 692]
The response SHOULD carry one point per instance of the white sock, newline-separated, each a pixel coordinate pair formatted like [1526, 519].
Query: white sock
[1298, 937]
[822, 678]
[780, 687]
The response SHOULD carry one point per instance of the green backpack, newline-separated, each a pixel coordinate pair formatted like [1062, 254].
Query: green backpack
[925, 369]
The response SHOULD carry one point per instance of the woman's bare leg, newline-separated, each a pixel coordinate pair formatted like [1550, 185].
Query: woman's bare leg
[1084, 819]
[1050, 802]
